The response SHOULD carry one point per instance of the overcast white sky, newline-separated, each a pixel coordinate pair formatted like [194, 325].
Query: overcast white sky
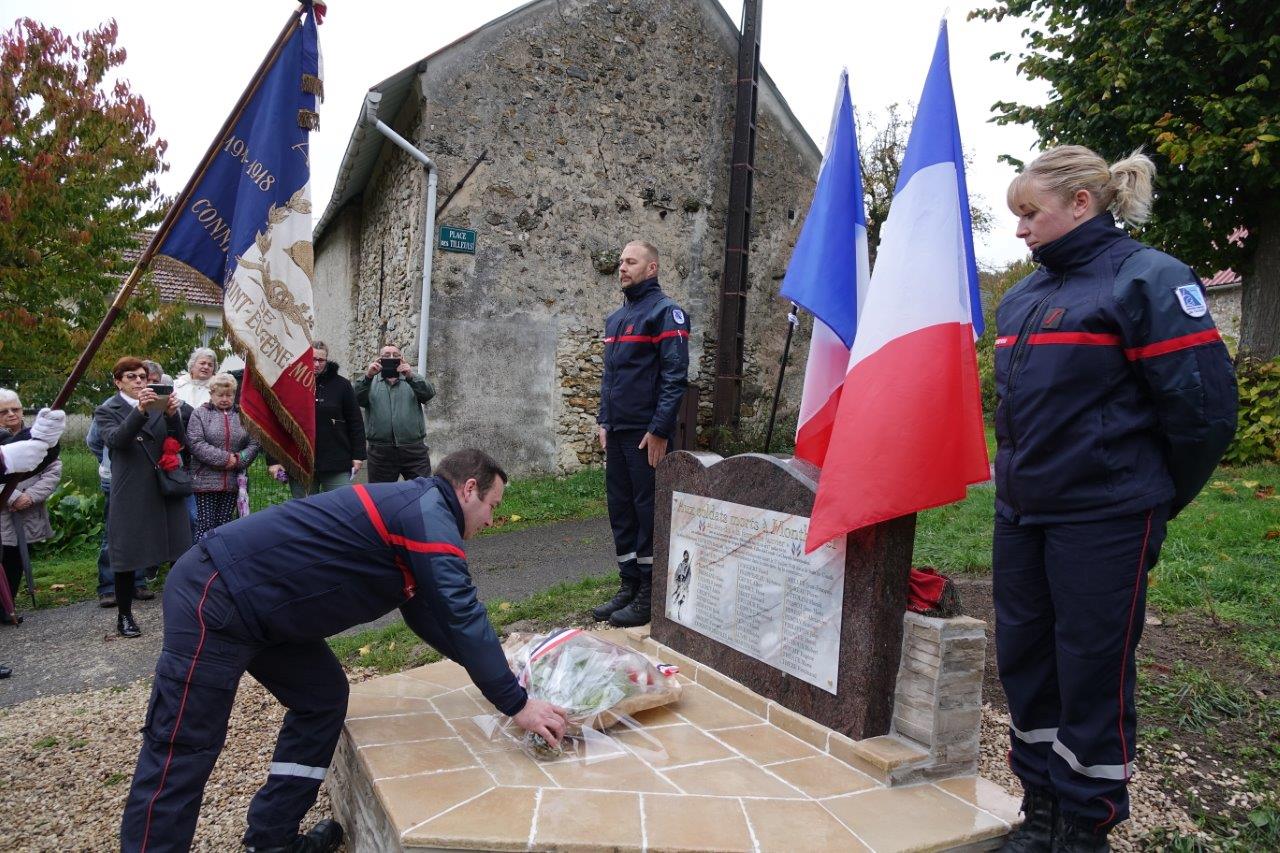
[190, 61]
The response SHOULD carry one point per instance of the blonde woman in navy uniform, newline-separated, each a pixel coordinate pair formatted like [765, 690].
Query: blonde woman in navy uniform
[1117, 398]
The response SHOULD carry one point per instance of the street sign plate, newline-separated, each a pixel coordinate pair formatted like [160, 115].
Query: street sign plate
[457, 240]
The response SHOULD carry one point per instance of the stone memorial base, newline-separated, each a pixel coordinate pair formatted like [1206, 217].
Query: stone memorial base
[414, 770]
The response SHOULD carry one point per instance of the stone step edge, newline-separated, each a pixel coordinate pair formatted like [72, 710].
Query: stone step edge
[885, 758]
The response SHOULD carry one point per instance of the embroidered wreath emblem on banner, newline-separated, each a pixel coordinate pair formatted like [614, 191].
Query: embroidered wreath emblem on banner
[276, 291]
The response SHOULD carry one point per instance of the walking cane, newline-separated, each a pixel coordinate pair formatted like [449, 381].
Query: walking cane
[24, 556]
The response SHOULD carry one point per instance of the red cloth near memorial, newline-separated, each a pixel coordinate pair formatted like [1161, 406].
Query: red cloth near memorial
[925, 588]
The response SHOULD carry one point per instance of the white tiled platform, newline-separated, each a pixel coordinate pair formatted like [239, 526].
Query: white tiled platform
[415, 771]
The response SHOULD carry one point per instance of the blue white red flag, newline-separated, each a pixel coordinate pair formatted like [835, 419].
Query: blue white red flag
[828, 276]
[246, 227]
[908, 432]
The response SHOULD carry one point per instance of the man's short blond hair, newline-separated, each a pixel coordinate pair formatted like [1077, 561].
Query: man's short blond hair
[650, 250]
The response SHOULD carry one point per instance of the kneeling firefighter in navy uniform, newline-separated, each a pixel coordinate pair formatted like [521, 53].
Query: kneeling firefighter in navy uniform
[260, 595]
[1117, 399]
[646, 369]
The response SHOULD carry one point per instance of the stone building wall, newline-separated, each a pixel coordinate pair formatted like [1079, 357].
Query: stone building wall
[603, 123]
[1224, 307]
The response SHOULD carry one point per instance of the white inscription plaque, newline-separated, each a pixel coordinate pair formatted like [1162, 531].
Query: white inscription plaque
[739, 575]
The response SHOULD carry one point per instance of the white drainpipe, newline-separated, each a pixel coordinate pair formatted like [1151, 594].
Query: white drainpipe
[429, 227]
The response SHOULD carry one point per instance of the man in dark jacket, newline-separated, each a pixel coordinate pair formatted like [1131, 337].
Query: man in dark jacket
[393, 395]
[646, 369]
[340, 448]
[261, 594]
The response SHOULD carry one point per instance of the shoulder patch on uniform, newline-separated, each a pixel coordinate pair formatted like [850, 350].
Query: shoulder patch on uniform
[1190, 300]
[677, 315]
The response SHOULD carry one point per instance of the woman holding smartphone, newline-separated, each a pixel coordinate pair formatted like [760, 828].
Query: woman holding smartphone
[146, 527]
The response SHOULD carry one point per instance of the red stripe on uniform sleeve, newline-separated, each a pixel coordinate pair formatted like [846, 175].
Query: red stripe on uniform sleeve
[1088, 339]
[418, 547]
[1172, 345]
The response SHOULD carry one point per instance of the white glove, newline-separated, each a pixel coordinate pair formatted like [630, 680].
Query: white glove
[22, 456]
[49, 425]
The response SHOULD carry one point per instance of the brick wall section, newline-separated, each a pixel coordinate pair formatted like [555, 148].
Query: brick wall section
[938, 702]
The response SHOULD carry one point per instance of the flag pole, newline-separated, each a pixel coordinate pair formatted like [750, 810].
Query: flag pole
[131, 281]
[792, 322]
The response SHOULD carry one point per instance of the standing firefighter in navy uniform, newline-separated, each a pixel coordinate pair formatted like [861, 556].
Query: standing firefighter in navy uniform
[261, 594]
[646, 369]
[1117, 399]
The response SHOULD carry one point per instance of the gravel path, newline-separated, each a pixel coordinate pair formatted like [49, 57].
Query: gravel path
[74, 648]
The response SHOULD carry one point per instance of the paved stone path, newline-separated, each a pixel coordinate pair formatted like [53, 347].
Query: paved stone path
[73, 648]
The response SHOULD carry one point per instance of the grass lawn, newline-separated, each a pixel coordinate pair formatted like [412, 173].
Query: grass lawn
[395, 647]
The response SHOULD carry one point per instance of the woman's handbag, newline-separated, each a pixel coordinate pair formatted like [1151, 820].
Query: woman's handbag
[175, 482]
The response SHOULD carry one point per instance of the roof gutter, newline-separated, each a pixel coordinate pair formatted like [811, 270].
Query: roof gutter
[370, 118]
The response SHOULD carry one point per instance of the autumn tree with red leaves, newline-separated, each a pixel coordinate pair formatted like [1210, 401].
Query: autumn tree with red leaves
[78, 164]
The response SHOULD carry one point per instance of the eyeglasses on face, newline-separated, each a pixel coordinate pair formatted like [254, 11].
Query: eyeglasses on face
[133, 377]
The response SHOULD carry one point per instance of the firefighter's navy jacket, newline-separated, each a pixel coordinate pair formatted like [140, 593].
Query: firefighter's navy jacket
[646, 362]
[1116, 393]
[306, 570]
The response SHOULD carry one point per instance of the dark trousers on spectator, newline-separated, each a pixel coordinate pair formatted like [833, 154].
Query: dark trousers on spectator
[628, 485]
[106, 577]
[12, 560]
[1069, 602]
[389, 462]
[207, 648]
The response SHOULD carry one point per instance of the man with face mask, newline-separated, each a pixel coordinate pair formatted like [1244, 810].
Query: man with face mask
[261, 594]
[392, 396]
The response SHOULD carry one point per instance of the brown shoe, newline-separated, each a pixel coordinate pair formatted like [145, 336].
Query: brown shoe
[107, 599]
[143, 594]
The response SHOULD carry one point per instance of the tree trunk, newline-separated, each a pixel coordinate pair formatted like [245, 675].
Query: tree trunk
[1260, 299]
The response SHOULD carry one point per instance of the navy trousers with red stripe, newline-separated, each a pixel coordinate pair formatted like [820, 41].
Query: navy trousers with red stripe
[207, 648]
[1070, 601]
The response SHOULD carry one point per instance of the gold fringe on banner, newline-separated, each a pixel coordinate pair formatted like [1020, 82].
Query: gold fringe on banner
[313, 85]
[308, 119]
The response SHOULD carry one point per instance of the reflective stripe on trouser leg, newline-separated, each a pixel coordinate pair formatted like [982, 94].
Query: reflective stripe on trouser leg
[308, 680]
[1025, 648]
[618, 493]
[1098, 572]
[288, 768]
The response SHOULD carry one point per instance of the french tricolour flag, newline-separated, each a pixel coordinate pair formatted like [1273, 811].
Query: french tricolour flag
[908, 430]
[828, 277]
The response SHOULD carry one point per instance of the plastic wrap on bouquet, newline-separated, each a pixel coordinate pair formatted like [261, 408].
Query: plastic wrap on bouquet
[598, 683]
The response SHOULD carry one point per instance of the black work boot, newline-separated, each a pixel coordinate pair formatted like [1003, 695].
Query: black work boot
[621, 599]
[637, 612]
[1074, 834]
[324, 837]
[1040, 813]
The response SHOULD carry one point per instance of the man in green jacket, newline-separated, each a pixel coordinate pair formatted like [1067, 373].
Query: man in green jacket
[392, 396]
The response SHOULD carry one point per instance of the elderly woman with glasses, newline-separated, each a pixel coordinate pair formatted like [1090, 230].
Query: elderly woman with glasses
[147, 528]
[24, 520]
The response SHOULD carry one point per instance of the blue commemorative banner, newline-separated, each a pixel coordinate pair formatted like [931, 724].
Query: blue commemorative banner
[245, 225]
